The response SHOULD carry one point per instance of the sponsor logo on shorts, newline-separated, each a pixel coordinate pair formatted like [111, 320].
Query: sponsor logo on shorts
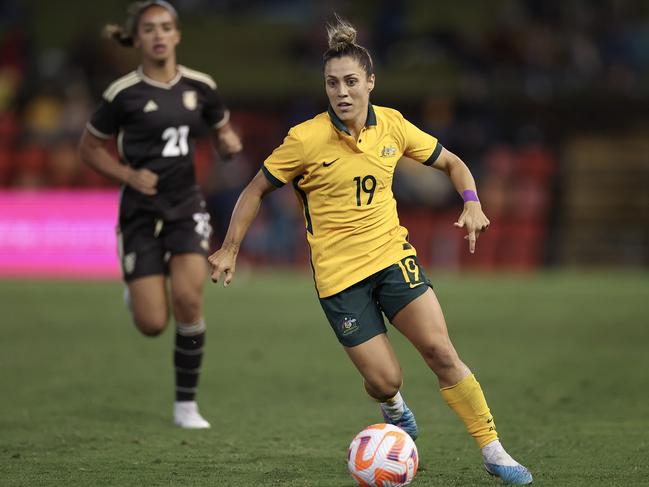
[129, 262]
[203, 227]
[349, 325]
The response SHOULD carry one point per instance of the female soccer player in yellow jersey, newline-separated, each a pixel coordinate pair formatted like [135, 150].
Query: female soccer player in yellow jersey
[341, 165]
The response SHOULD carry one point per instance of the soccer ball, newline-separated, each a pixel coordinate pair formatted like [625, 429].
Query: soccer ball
[382, 455]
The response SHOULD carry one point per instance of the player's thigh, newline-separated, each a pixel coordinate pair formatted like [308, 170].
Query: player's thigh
[141, 255]
[141, 250]
[422, 321]
[187, 273]
[357, 321]
[187, 242]
[148, 301]
[377, 363]
[407, 299]
[353, 314]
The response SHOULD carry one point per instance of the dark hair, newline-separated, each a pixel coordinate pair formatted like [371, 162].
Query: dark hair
[125, 35]
[342, 42]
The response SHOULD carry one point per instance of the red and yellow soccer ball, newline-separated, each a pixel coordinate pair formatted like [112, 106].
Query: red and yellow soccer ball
[382, 455]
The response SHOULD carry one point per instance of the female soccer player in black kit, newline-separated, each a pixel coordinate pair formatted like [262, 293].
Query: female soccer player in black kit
[155, 112]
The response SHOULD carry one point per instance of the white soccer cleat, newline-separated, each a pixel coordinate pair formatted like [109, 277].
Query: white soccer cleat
[498, 463]
[516, 475]
[186, 415]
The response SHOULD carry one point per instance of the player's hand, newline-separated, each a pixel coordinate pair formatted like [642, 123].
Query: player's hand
[228, 142]
[474, 221]
[143, 180]
[223, 262]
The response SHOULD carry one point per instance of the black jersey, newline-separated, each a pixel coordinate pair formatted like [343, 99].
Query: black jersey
[155, 124]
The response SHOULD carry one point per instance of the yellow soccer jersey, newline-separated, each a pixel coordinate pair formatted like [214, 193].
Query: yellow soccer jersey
[345, 188]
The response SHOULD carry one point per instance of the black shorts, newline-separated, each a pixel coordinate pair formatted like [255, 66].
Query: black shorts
[147, 242]
[356, 314]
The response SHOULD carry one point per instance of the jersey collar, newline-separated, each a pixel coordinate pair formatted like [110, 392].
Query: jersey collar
[152, 82]
[338, 123]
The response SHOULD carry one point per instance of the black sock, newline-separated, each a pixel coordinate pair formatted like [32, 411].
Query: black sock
[187, 358]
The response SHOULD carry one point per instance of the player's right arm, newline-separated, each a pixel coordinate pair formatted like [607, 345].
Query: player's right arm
[92, 151]
[224, 260]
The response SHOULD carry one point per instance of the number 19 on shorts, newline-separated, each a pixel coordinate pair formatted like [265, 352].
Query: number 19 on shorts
[410, 271]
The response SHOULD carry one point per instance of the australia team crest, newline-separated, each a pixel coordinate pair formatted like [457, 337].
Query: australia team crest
[389, 151]
[349, 325]
[190, 100]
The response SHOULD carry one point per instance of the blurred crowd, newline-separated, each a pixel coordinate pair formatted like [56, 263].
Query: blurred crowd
[527, 53]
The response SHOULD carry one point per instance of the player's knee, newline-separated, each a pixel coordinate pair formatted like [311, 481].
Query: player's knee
[187, 306]
[151, 326]
[386, 386]
[440, 357]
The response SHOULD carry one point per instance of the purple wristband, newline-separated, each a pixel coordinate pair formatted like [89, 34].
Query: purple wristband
[469, 195]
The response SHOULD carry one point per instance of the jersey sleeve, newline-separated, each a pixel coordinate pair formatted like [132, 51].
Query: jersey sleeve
[104, 122]
[285, 163]
[215, 112]
[419, 145]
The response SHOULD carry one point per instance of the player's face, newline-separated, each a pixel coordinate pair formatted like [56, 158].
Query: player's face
[157, 35]
[348, 88]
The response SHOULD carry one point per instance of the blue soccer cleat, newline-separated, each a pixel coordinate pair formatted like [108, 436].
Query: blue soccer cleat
[406, 422]
[512, 475]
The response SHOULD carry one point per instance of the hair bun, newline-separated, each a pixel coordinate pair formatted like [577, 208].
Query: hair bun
[111, 31]
[341, 35]
[115, 32]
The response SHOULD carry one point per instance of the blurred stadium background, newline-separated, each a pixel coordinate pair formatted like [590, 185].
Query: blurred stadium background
[547, 102]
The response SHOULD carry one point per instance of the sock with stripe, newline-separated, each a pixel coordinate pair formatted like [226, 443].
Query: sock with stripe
[468, 401]
[394, 407]
[188, 356]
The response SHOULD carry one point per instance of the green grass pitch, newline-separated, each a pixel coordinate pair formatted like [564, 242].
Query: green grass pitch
[86, 401]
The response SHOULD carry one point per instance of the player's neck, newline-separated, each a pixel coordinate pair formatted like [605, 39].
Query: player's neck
[163, 72]
[355, 126]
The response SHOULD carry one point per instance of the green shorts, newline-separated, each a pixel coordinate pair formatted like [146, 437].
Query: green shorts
[356, 314]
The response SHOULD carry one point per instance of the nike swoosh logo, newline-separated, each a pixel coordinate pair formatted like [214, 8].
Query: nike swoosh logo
[415, 285]
[327, 164]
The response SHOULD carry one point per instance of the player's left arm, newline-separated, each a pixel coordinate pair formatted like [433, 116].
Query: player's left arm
[227, 141]
[472, 219]
[223, 261]
[215, 113]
